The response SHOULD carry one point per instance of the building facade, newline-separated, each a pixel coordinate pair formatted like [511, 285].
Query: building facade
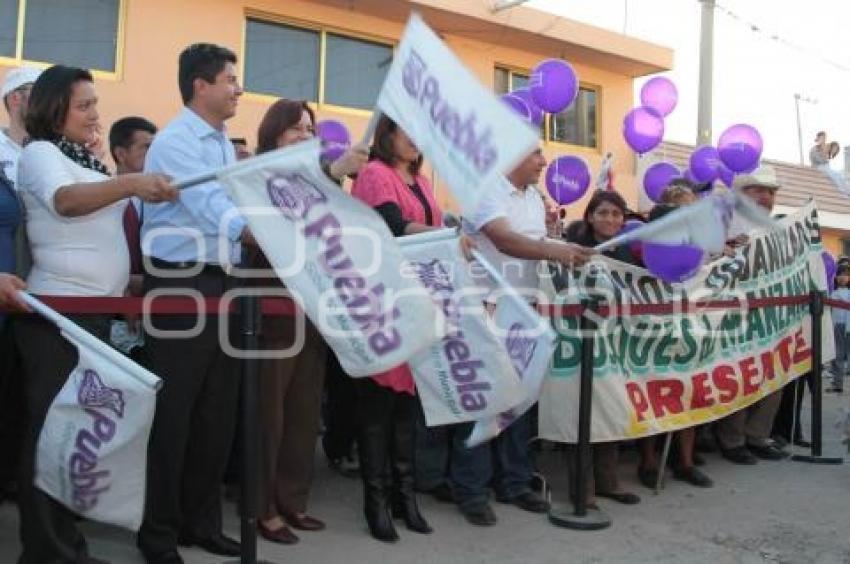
[333, 53]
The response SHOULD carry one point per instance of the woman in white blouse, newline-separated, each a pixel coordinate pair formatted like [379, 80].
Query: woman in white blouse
[74, 224]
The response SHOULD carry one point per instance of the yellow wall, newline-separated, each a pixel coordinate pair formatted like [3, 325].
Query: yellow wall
[157, 30]
[833, 241]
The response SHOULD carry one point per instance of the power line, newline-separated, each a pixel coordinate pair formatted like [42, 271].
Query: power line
[758, 29]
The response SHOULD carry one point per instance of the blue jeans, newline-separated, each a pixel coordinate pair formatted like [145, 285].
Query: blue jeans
[505, 461]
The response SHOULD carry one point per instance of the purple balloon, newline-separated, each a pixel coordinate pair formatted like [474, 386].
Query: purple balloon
[334, 137]
[567, 179]
[643, 129]
[831, 267]
[636, 246]
[689, 176]
[529, 111]
[554, 85]
[740, 148]
[705, 164]
[657, 178]
[726, 175]
[672, 262]
[660, 94]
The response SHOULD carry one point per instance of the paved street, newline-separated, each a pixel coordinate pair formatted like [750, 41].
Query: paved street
[788, 512]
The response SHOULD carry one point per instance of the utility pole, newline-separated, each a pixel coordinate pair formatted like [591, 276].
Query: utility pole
[799, 128]
[706, 72]
[797, 99]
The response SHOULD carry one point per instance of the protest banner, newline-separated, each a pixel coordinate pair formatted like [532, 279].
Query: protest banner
[661, 373]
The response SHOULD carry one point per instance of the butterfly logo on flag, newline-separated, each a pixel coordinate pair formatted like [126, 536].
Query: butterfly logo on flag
[94, 393]
[294, 195]
[434, 276]
[520, 348]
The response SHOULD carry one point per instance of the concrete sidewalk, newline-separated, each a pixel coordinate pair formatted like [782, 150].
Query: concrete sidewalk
[786, 511]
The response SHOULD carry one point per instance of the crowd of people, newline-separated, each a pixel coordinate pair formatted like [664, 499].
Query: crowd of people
[76, 209]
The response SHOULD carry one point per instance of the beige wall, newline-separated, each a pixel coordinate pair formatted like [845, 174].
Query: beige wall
[157, 30]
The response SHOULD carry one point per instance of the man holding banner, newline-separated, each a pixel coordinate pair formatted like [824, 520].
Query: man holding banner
[509, 228]
[746, 433]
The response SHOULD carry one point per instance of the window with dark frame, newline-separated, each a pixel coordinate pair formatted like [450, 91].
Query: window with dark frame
[8, 28]
[285, 60]
[282, 60]
[80, 33]
[577, 125]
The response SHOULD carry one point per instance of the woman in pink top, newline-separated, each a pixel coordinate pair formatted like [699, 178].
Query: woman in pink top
[387, 403]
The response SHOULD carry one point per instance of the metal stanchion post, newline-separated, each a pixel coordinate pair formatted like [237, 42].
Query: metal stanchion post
[578, 516]
[816, 308]
[250, 322]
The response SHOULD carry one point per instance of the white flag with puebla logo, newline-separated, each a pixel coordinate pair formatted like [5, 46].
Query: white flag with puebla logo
[467, 374]
[92, 450]
[336, 256]
[704, 224]
[468, 134]
[530, 342]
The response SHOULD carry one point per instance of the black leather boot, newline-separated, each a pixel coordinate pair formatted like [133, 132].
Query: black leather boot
[404, 496]
[373, 446]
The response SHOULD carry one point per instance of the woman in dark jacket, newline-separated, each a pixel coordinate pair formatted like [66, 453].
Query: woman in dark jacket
[603, 219]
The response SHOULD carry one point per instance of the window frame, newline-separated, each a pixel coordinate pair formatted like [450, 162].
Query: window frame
[120, 33]
[323, 30]
[547, 121]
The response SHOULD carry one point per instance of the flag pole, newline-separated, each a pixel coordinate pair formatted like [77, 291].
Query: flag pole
[97, 346]
[370, 127]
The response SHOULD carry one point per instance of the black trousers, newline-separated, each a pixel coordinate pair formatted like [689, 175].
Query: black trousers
[12, 410]
[194, 422]
[340, 411]
[786, 415]
[47, 529]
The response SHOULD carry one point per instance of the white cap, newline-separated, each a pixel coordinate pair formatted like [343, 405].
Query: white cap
[764, 175]
[16, 78]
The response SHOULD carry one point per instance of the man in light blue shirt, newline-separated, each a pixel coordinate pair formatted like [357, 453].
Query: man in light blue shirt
[190, 245]
[203, 225]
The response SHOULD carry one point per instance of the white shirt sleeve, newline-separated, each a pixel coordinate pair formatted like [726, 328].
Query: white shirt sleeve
[492, 206]
[42, 171]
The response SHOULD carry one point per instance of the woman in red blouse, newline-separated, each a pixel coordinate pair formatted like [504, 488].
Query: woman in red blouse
[387, 403]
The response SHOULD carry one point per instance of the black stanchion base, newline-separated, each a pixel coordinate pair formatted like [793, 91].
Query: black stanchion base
[564, 516]
[817, 459]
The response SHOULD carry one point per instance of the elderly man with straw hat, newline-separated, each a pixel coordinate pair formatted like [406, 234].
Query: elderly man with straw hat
[745, 436]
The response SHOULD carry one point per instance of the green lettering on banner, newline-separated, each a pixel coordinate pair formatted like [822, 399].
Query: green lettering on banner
[567, 354]
[662, 360]
[686, 357]
[707, 356]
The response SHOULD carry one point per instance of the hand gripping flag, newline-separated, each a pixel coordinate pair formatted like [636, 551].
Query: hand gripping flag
[336, 256]
[468, 134]
[467, 374]
[530, 342]
[704, 224]
[92, 450]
